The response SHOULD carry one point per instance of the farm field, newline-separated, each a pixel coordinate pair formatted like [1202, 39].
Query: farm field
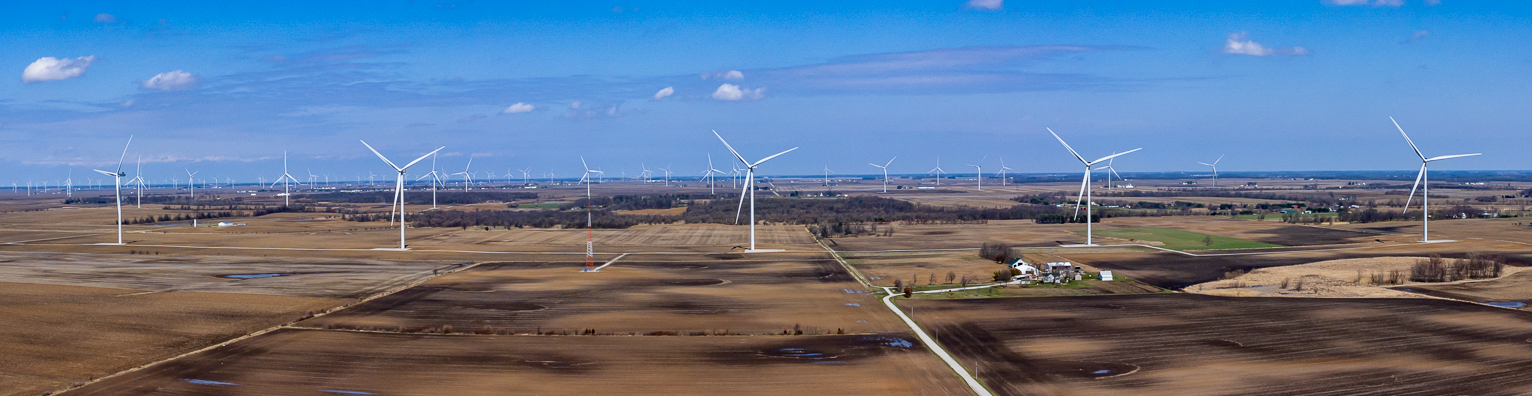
[53, 336]
[724, 294]
[333, 362]
[1513, 290]
[1178, 239]
[1188, 344]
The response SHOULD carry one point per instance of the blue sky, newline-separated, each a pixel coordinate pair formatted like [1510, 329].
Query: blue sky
[224, 89]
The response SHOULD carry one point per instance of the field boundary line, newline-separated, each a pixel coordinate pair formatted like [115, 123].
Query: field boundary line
[267, 330]
[854, 273]
[614, 259]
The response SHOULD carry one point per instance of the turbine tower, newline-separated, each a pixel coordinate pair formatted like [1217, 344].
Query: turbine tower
[467, 177]
[827, 175]
[884, 167]
[399, 186]
[435, 179]
[712, 190]
[1215, 167]
[524, 176]
[138, 179]
[192, 183]
[118, 177]
[750, 180]
[1003, 168]
[284, 179]
[1085, 185]
[590, 233]
[980, 171]
[1423, 181]
[938, 171]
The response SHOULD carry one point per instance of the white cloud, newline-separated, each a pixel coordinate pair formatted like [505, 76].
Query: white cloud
[128, 103]
[986, 5]
[1239, 44]
[105, 18]
[49, 68]
[1433, 2]
[1375, 3]
[174, 80]
[724, 74]
[518, 108]
[575, 105]
[664, 92]
[733, 92]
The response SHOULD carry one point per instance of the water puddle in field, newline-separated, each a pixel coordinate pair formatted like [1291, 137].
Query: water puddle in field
[893, 342]
[206, 382]
[346, 392]
[1100, 372]
[1508, 304]
[255, 276]
[853, 304]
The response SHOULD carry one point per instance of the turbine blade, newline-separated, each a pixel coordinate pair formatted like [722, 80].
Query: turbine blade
[731, 151]
[1205, 164]
[777, 154]
[1081, 198]
[1113, 156]
[1413, 187]
[364, 143]
[1220, 158]
[124, 153]
[750, 176]
[1451, 156]
[1407, 138]
[1066, 146]
[890, 161]
[105, 172]
[423, 157]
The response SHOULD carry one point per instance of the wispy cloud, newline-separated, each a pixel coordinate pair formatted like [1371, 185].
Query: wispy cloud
[724, 74]
[1417, 36]
[172, 81]
[986, 69]
[519, 107]
[1374, 3]
[1239, 44]
[105, 18]
[984, 5]
[667, 91]
[50, 69]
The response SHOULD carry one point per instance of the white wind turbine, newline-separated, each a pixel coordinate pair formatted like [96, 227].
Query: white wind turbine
[312, 177]
[524, 176]
[712, 190]
[1110, 172]
[667, 175]
[118, 177]
[138, 180]
[192, 183]
[284, 179]
[1215, 168]
[1003, 168]
[749, 180]
[1085, 185]
[436, 179]
[399, 187]
[980, 171]
[590, 233]
[646, 173]
[827, 175]
[1423, 181]
[69, 184]
[884, 167]
[467, 177]
[938, 171]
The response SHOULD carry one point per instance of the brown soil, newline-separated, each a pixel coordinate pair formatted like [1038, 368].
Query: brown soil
[1189, 344]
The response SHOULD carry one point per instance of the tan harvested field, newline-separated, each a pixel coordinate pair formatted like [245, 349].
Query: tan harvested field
[964, 236]
[303, 362]
[1189, 344]
[640, 294]
[313, 277]
[52, 336]
[883, 268]
[1345, 278]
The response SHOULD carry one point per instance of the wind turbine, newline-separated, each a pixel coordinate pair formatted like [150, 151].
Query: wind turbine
[399, 186]
[1423, 181]
[590, 233]
[435, 179]
[467, 177]
[138, 179]
[117, 176]
[884, 167]
[646, 173]
[524, 176]
[827, 175]
[709, 175]
[286, 194]
[191, 182]
[312, 177]
[749, 180]
[69, 184]
[1003, 168]
[1085, 184]
[938, 171]
[1111, 171]
[980, 171]
[1220, 158]
[667, 175]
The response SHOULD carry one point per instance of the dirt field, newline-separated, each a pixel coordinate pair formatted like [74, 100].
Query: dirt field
[1348, 278]
[53, 336]
[738, 294]
[1189, 344]
[224, 274]
[883, 268]
[300, 362]
[1511, 288]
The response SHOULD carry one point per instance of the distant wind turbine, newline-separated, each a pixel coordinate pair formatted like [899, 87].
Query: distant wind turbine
[1215, 169]
[117, 176]
[399, 186]
[938, 171]
[1085, 185]
[749, 181]
[884, 167]
[590, 233]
